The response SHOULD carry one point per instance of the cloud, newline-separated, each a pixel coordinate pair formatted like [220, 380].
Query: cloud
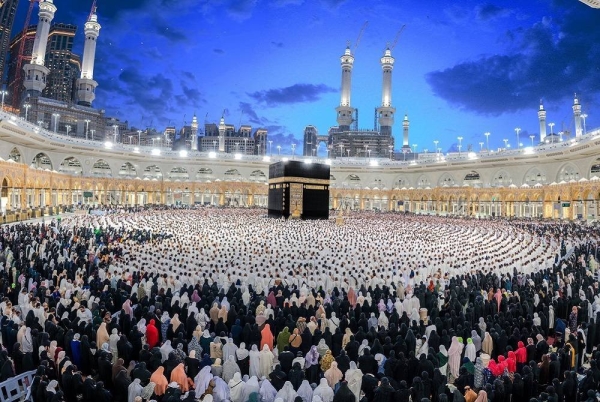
[491, 11]
[241, 9]
[172, 34]
[333, 3]
[551, 60]
[218, 51]
[249, 113]
[297, 93]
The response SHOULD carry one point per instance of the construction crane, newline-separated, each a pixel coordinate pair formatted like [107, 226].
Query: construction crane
[397, 37]
[362, 31]
[93, 11]
[21, 55]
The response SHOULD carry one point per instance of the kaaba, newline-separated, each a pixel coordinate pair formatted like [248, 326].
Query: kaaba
[299, 190]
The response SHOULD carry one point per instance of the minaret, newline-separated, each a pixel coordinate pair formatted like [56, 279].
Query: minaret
[86, 86]
[344, 111]
[35, 71]
[194, 137]
[405, 125]
[386, 111]
[542, 118]
[577, 117]
[222, 129]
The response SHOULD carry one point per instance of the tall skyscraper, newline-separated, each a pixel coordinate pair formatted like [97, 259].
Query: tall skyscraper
[64, 65]
[8, 9]
[15, 84]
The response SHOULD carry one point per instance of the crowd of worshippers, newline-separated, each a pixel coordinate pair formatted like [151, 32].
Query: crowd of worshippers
[95, 335]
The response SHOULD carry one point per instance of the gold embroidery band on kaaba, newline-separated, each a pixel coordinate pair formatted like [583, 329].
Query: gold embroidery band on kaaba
[303, 180]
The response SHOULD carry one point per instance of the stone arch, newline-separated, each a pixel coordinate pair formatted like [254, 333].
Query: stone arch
[472, 179]
[71, 165]
[352, 180]
[204, 174]
[152, 172]
[423, 181]
[127, 170]
[178, 173]
[534, 176]
[568, 173]
[258, 176]
[232, 175]
[595, 168]
[101, 168]
[401, 182]
[16, 155]
[41, 161]
[501, 179]
[446, 180]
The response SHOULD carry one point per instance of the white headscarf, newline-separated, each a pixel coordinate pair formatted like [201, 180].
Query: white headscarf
[287, 393]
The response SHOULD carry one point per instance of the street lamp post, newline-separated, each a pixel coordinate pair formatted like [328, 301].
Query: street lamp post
[414, 148]
[278, 150]
[481, 146]
[68, 127]
[115, 133]
[87, 127]
[27, 106]
[560, 134]
[245, 146]
[4, 93]
[293, 151]
[505, 143]
[270, 152]
[139, 137]
[551, 131]
[459, 144]
[487, 140]
[436, 142]
[584, 116]
[56, 117]
[532, 137]
[341, 150]
[391, 150]
[92, 131]
[130, 137]
[518, 130]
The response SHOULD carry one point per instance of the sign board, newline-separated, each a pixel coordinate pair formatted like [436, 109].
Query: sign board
[88, 194]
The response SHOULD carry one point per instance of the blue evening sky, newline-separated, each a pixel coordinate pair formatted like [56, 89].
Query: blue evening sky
[462, 68]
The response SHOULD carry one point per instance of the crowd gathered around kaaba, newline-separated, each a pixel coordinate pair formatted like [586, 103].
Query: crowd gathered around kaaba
[228, 305]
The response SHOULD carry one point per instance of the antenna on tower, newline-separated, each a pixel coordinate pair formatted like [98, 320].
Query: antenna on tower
[397, 37]
[362, 31]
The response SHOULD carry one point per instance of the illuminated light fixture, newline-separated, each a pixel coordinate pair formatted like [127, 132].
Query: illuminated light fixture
[266, 159]
[212, 155]
[108, 144]
[13, 118]
[284, 159]
[328, 162]
[529, 151]
[413, 162]
[155, 152]
[374, 163]
[237, 156]
[136, 150]
[183, 153]
[472, 155]
[308, 161]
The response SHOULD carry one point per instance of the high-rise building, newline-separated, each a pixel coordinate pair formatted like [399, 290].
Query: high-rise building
[8, 9]
[15, 85]
[64, 65]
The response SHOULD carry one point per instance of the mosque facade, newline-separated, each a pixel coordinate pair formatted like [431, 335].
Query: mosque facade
[42, 172]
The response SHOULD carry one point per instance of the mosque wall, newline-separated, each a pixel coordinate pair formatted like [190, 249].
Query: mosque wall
[42, 172]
